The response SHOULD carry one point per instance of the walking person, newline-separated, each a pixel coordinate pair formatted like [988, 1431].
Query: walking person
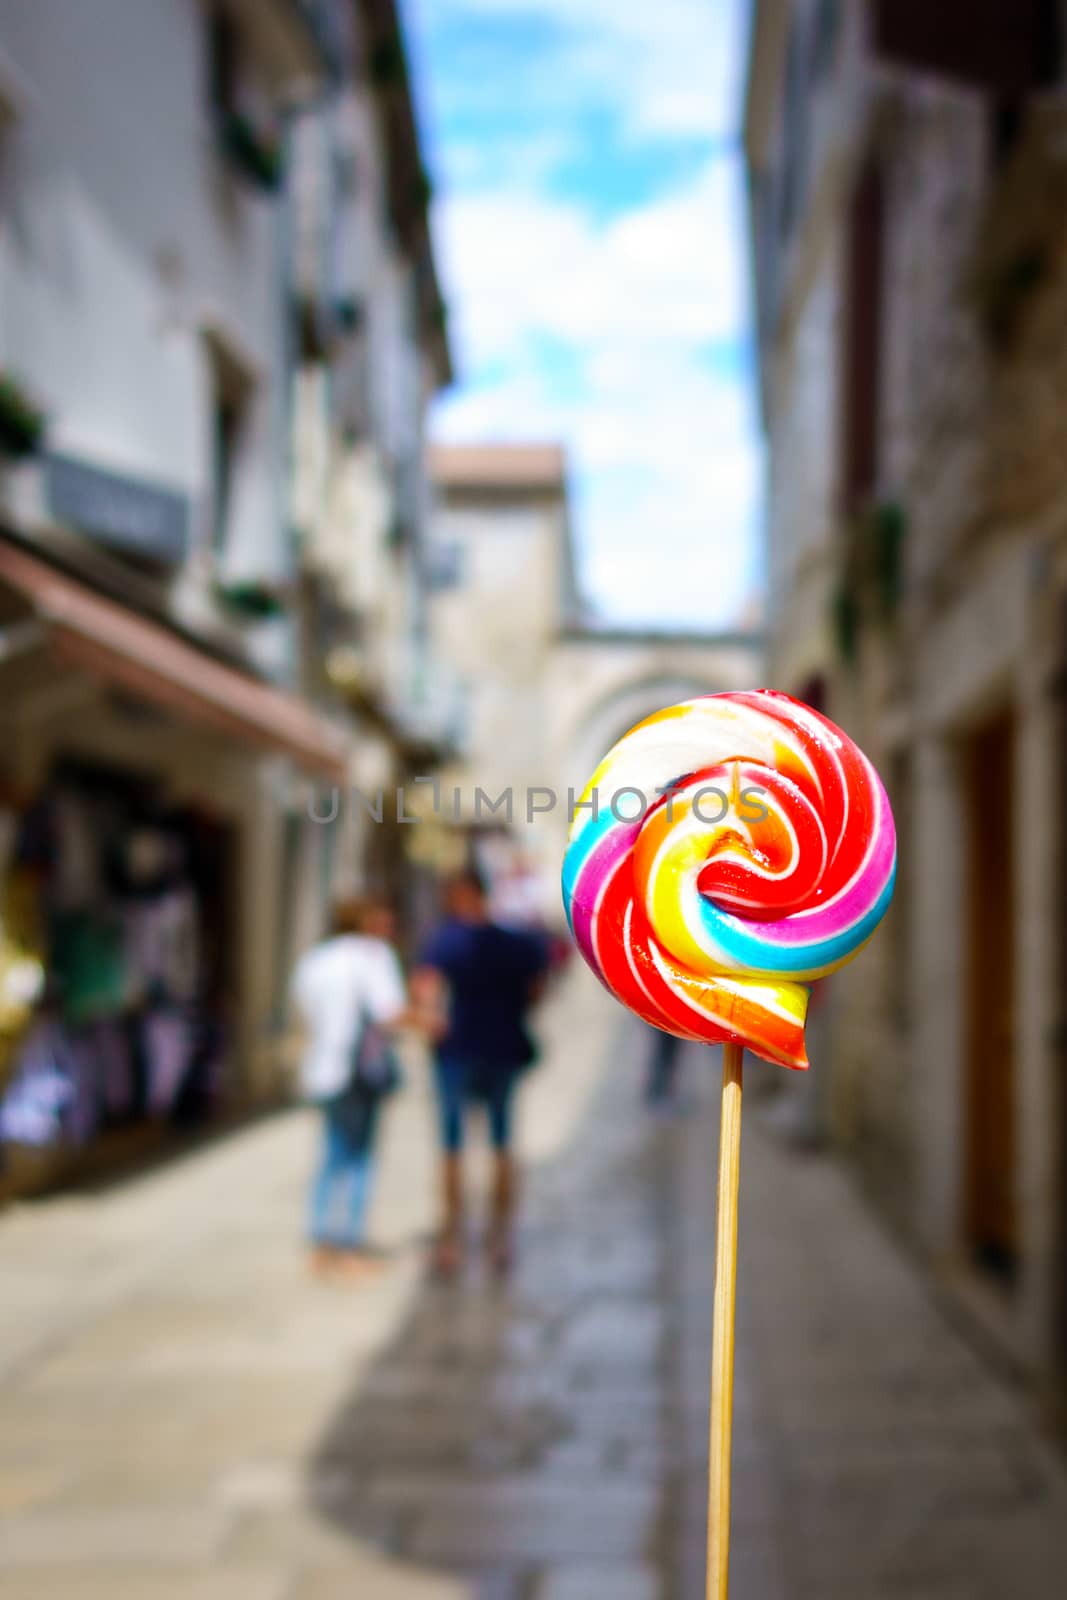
[349, 992]
[481, 980]
[662, 1074]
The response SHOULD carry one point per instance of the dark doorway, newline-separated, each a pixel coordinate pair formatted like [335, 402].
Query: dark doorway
[862, 374]
[990, 1149]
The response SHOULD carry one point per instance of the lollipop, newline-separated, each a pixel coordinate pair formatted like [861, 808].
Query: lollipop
[725, 853]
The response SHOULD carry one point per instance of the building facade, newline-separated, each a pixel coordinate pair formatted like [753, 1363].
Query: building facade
[911, 262]
[501, 576]
[370, 350]
[546, 692]
[176, 274]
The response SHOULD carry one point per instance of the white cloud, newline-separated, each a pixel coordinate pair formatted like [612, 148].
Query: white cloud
[600, 329]
[664, 445]
[523, 263]
[679, 551]
[667, 484]
[671, 509]
[673, 67]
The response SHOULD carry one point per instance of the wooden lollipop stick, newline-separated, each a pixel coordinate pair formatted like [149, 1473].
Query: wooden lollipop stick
[722, 1339]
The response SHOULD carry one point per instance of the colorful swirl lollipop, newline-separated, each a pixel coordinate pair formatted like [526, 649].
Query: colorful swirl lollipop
[725, 852]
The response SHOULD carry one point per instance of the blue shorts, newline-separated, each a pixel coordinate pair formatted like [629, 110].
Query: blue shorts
[460, 1084]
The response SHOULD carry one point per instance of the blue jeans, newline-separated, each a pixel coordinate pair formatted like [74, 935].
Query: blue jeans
[662, 1068]
[460, 1083]
[340, 1190]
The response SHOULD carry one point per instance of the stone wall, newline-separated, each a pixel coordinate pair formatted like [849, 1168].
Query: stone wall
[931, 149]
[973, 441]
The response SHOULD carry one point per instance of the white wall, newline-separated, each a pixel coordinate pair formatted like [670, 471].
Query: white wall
[121, 232]
[351, 494]
[496, 628]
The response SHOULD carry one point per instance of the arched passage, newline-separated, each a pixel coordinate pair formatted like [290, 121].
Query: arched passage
[603, 685]
[606, 722]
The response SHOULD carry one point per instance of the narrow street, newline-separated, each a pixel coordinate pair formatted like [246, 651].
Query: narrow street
[183, 1413]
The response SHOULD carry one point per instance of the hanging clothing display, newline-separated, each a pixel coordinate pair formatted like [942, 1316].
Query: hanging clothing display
[41, 1106]
[21, 943]
[163, 944]
[106, 1014]
[88, 965]
[168, 1039]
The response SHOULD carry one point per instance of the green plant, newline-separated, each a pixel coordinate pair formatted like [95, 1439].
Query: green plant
[422, 190]
[348, 313]
[22, 423]
[257, 155]
[387, 62]
[872, 574]
[399, 536]
[887, 529]
[846, 623]
[1007, 290]
[257, 601]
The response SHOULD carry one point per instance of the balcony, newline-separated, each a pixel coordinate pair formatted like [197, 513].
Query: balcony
[351, 374]
[327, 240]
[22, 423]
[418, 704]
[429, 708]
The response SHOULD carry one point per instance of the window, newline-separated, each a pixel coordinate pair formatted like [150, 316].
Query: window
[794, 142]
[1007, 46]
[226, 424]
[813, 692]
[351, 376]
[245, 120]
[826, 28]
[232, 387]
[899, 923]
[222, 61]
[862, 364]
[1007, 115]
[444, 565]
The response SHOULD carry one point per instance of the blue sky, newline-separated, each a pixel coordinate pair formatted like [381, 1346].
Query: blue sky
[589, 229]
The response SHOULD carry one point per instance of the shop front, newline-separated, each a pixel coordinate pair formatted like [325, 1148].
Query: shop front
[146, 795]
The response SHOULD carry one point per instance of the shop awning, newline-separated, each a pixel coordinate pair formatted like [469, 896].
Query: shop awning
[126, 651]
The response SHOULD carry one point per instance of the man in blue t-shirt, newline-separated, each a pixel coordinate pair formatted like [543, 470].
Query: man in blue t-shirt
[481, 980]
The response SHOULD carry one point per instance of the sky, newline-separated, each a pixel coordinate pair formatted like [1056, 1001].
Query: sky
[589, 228]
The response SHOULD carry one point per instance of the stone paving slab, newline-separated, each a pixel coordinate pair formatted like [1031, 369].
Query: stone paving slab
[296, 1538]
[186, 1414]
[922, 1471]
[527, 1539]
[601, 1583]
[149, 1582]
[875, 1452]
[380, 1582]
[531, 1418]
[166, 1536]
[25, 1487]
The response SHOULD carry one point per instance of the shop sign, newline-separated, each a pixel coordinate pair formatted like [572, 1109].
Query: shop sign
[128, 514]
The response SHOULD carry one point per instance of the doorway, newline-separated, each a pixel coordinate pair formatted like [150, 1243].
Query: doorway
[990, 1205]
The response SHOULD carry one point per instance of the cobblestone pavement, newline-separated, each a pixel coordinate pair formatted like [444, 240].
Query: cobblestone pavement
[182, 1413]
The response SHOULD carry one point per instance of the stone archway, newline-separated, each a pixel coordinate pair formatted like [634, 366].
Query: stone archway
[627, 705]
[602, 684]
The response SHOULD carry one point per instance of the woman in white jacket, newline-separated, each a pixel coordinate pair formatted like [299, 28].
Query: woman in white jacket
[349, 991]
